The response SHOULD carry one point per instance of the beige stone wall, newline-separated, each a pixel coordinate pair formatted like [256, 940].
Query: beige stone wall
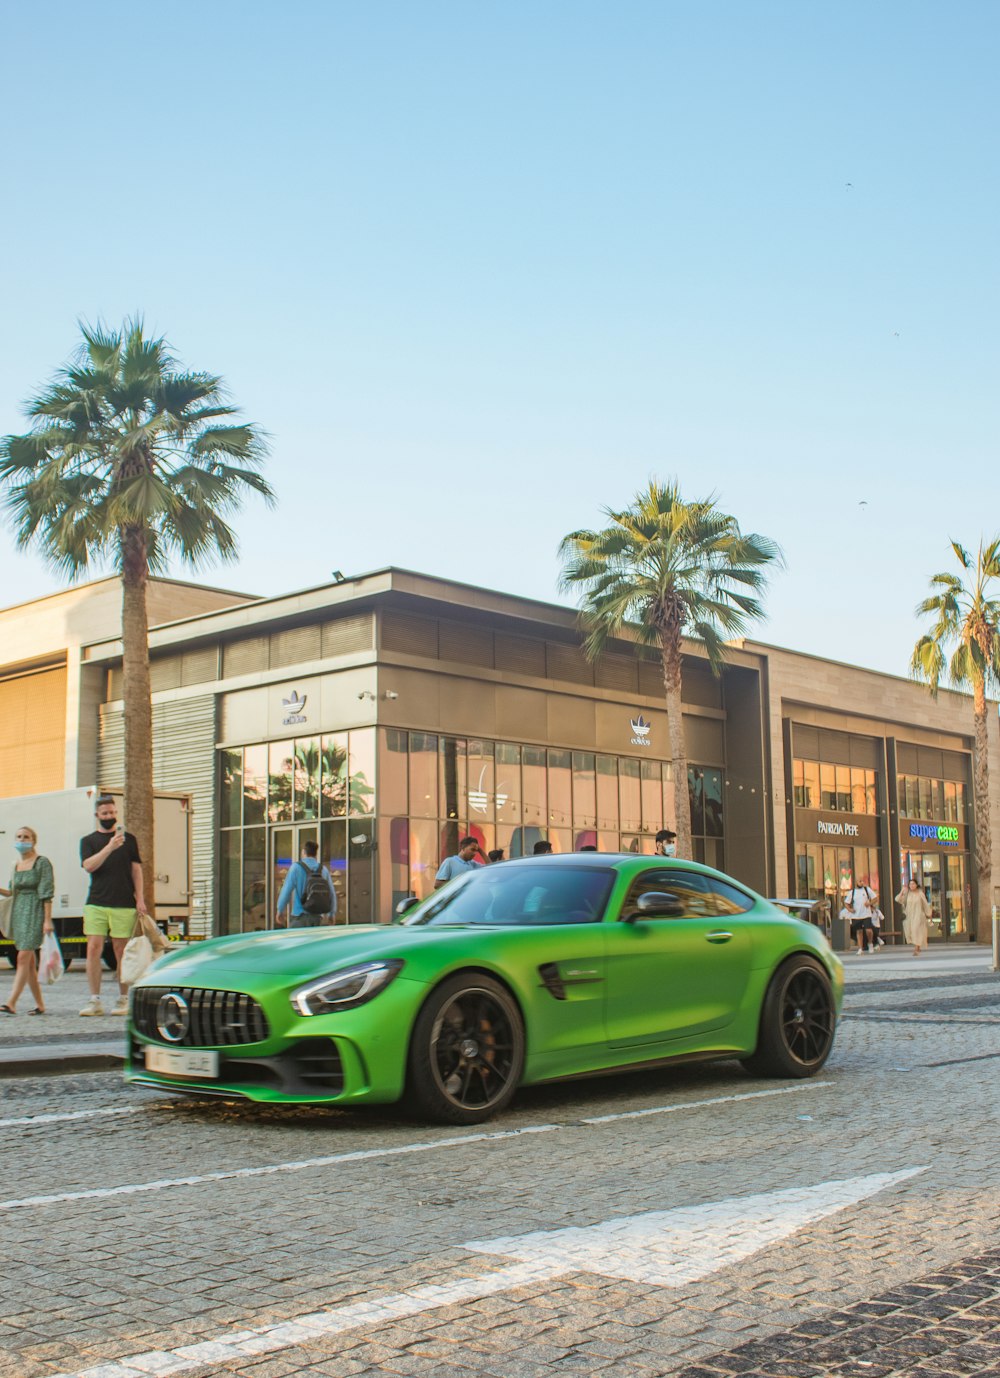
[50, 632]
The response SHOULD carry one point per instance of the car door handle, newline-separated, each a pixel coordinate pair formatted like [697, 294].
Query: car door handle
[719, 936]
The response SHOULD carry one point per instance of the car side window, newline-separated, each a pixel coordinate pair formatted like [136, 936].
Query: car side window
[689, 887]
[727, 899]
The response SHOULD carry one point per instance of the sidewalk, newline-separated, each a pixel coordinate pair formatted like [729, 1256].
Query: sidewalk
[899, 963]
[60, 1041]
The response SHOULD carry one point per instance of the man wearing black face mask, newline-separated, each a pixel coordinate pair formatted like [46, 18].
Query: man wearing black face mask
[111, 858]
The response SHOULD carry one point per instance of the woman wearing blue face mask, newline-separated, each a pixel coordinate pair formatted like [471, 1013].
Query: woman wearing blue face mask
[32, 885]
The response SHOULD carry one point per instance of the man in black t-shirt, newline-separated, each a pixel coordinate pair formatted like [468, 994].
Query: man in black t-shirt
[110, 856]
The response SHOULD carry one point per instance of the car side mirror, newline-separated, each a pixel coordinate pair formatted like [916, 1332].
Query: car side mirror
[404, 906]
[656, 904]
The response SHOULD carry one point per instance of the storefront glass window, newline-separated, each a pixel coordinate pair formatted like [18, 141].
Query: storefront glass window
[423, 775]
[508, 783]
[859, 799]
[960, 801]
[561, 839]
[254, 900]
[924, 809]
[230, 866]
[584, 792]
[333, 778]
[827, 786]
[810, 775]
[482, 776]
[651, 787]
[955, 894]
[360, 895]
[423, 855]
[799, 786]
[560, 789]
[254, 785]
[361, 786]
[713, 803]
[533, 783]
[393, 792]
[871, 792]
[843, 778]
[607, 793]
[279, 784]
[950, 802]
[669, 802]
[629, 795]
[452, 777]
[333, 851]
[307, 779]
[231, 797]
[696, 797]
[937, 800]
[393, 856]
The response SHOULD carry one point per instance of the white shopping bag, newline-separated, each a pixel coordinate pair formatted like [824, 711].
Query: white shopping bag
[50, 963]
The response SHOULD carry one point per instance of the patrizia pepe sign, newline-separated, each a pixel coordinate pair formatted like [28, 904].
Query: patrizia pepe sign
[851, 829]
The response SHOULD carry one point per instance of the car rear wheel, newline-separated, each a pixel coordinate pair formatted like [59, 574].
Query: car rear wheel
[797, 1022]
[467, 1051]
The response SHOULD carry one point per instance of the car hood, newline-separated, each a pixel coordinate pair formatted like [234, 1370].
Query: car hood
[286, 952]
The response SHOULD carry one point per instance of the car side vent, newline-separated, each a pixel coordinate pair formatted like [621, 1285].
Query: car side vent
[552, 981]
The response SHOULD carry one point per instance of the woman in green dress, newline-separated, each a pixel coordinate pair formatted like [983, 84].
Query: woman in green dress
[32, 885]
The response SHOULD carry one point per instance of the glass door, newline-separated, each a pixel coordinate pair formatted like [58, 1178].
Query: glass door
[286, 848]
[957, 919]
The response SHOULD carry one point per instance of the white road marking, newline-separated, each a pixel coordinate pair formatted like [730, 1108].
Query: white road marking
[54, 1118]
[716, 1100]
[665, 1248]
[358, 1155]
[671, 1248]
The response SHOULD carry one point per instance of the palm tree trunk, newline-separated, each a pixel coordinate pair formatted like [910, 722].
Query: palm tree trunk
[670, 651]
[981, 792]
[138, 707]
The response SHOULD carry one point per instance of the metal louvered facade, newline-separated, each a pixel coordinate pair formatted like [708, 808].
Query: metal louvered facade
[184, 732]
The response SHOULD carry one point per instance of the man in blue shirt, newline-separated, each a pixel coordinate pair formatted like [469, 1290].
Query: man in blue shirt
[293, 891]
[453, 866]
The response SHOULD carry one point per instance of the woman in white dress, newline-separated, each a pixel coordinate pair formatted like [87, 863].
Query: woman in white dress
[916, 912]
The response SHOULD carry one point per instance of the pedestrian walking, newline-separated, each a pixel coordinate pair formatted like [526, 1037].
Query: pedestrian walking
[860, 901]
[307, 891]
[110, 856]
[666, 843]
[461, 862]
[496, 854]
[542, 848]
[32, 886]
[916, 912]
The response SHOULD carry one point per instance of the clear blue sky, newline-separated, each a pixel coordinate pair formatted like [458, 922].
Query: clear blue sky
[481, 270]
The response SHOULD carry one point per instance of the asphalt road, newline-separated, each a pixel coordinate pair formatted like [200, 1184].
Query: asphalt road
[687, 1222]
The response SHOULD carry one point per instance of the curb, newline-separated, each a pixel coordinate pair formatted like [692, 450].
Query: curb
[47, 1059]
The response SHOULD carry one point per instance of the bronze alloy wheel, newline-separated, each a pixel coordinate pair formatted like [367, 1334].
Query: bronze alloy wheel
[807, 1018]
[797, 1022]
[467, 1051]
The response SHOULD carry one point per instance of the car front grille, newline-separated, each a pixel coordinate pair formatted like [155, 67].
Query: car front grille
[215, 1018]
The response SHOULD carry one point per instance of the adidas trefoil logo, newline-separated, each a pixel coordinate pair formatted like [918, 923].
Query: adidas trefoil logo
[294, 707]
[640, 730]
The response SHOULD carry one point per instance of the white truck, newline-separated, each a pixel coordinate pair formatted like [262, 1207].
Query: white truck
[60, 819]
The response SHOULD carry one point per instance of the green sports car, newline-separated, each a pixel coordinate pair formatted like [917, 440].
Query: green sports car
[517, 973]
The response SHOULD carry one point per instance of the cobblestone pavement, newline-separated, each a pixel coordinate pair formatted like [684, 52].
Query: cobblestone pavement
[194, 1234]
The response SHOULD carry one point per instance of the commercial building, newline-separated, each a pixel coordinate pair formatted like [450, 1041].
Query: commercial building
[387, 715]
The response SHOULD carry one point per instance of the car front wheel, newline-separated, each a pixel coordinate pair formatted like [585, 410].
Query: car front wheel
[467, 1051]
[797, 1022]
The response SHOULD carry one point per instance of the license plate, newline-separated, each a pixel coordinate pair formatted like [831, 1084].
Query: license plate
[176, 1062]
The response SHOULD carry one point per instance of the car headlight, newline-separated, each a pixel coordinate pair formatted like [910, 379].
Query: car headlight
[344, 989]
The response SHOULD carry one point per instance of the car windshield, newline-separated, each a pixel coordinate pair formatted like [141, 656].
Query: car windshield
[519, 896]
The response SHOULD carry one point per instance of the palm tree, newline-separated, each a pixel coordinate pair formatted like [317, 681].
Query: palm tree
[130, 460]
[968, 618]
[673, 569]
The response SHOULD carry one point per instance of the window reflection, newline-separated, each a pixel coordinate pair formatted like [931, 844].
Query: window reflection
[584, 790]
[254, 784]
[307, 764]
[279, 784]
[333, 779]
[361, 779]
[607, 793]
[452, 777]
[629, 795]
[423, 775]
[481, 779]
[560, 788]
[533, 784]
[231, 789]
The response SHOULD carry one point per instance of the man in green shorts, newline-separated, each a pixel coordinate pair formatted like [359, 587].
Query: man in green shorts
[111, 858]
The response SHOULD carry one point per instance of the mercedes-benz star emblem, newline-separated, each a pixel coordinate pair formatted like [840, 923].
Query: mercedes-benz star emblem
[172, 1017]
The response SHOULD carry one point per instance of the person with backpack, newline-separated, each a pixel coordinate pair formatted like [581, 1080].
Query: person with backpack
[859, 903]
[309, 891]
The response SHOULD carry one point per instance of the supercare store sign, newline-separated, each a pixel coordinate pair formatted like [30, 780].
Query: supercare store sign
[933, 837]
